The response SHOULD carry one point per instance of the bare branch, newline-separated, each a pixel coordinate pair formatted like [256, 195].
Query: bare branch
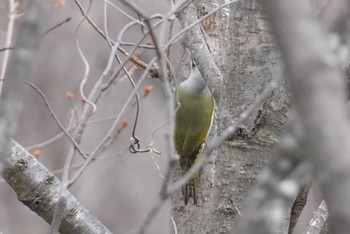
[86, 63]
[6, 48]
[170, 110]
[10, 24]
[57, 25]
[196, 43]
[134, 59]
[103, 83]
[100, 146]
[76, 145]
[109, 135]
[28, 38]
[318, 220]
[38, 189]
[298, 206]
[51, 140]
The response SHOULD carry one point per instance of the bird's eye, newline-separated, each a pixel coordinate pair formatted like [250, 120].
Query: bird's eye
[194, 64]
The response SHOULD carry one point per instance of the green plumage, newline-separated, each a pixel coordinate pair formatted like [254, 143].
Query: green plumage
[193, 122]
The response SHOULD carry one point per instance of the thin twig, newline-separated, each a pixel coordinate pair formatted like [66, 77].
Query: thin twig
[174, 224]
[19, 70]
[87, 110]
[10, 24]
[76, 145]
[102, 84]
[140, 46]
[109, 118]
[170, 33]
[49, 141]
[52, 140]
[157, 166]
[86, 63]
[61, 204]
[170, 104]
[78, 165]
[134, 59]
[97, 150]
[120, 10]
[137, 97]
[57, 25]
[6, 48]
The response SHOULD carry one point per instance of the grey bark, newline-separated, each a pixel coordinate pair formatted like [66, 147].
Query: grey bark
[38, 188]
[253, 61]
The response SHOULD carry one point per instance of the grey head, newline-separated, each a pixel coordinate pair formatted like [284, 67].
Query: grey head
[195, 82]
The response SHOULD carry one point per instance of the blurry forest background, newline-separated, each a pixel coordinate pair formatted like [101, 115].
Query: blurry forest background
[118, 189]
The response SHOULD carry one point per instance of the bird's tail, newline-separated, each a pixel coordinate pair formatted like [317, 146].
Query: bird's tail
[191, 189]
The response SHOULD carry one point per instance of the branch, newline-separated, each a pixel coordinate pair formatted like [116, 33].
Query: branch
[133, 58]
[298, 206]
[55, 118]
[196, 43]
[10, 26]
[170, 110]
[38, 189]
[57, 25]
[20, 63]
[318, 220]
[103, 83]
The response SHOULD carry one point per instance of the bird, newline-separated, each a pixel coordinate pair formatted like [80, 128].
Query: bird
[193, 121]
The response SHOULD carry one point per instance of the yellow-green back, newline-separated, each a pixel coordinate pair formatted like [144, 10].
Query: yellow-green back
[193, 120]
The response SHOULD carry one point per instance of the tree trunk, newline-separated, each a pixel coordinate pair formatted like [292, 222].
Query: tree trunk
[249, 60]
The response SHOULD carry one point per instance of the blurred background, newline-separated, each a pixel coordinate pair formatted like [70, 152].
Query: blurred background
[120, 188]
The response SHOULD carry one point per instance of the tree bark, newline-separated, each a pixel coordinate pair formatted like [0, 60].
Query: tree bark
[253, 61]
[37, 188]
[248, 58]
